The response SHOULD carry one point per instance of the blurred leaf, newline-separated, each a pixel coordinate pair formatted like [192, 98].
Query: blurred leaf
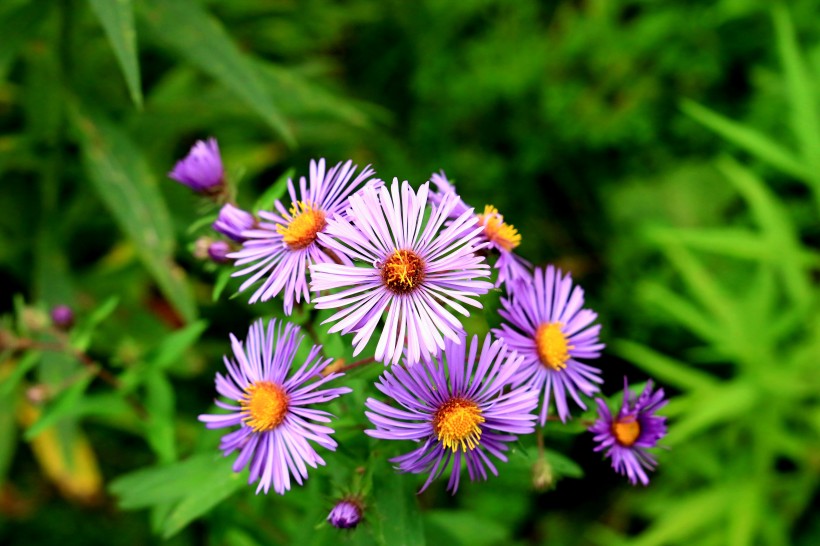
[563, 465]
[275, 191]
[466, 527]
[201, 39]
[125, 184]
[802, 96]
[81, 333]
[661, 367]
[397, 519]
[117, 18]
[159, 428]
[710, 407]
[775, 222]
[20, 368]
[19, 23]
[173, 346]
[745, 514]
[221, 282]
[681, 310]
[73, 468]
[687, 516]
[747, 138]
[61, 406]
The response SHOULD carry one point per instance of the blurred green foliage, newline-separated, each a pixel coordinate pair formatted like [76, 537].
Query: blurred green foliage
[665, 152]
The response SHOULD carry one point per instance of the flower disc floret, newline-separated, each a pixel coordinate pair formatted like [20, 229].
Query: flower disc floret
[403, 271]
[303, 225]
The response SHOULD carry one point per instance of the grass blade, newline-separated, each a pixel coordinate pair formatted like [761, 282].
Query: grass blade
[117, 19]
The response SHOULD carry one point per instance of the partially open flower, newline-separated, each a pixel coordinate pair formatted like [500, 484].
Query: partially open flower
[232, 221]
[347, 513]
[201, 170]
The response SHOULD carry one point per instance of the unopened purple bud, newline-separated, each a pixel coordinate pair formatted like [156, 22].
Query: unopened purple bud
[218, 251]
[62, 316]
[232, 221]
[346, 514]
[201, 170]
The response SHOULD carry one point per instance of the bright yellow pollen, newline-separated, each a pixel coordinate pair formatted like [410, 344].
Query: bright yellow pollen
[456, 424]
[403, 271]
[264, 405]
[504, 235]
[626, 431]
[304, 223]
[552, 345]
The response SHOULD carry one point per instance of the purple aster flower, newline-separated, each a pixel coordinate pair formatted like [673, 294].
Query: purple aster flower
[280, 248]
[627, 435]
[62, 317]
[218, 251]
[201, 170]
[232, 221]
[501, 237]
[271, 406]
[456, 408]
[412, 269]
[550, 329]
[346, 514]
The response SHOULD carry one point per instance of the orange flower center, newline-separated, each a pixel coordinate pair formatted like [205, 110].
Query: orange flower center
[456, 424]
[503, 235]
[265, 405]
[552, 346]
[626, 431]
[304, 223]
[403, 271]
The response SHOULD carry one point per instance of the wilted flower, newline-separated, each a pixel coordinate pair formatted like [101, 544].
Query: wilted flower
[232, 221]
[628, 434]
[549, 328]
[411, 271]
[283, 243]
[271, 405]
[456, 407]
[201, 170]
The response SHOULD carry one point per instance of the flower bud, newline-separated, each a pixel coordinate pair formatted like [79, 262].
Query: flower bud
[201, 170]
[218, 251]
[232, 221]
[347, 514]
[62, 317]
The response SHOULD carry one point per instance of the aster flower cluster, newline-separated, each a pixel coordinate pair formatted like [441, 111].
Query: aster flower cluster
[394, 270]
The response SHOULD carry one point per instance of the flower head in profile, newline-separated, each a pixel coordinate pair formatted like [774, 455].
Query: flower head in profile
[279, 249]
[232, 221]
[346, 513]
[547, 325]
[201, 170]
[627, 435]
[271, 400]
[500, 237]
[410, 270]
[455, 407]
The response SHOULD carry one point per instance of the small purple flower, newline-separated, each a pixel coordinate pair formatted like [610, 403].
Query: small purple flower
[218, 251]
[271, 405]
[501, 237]
[62, 317]
[456, 407]
[201, 170]
[627, 435]
[411, 269]
[280, 248]
[346, 514]
[548, 326]
[232, 221]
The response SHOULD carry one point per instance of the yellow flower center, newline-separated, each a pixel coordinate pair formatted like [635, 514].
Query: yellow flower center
[265, 405]
[403, 271]
[626, 431]
[503, 235]
[456, 424]
[304, 223]
[552, 345]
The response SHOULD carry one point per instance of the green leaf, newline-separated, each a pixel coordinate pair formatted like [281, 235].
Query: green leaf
[82, 333]
[221, 282]
[466, 527]
[713, 406]
[19, 23]
[127, 187]
[174, 345]
[25, 364]
[681, 310]
[563, 465]
[686, 517]
[661, 367]
[200, 38]
[397, 517]
[159, 428]
[62, 406]
[748, 139]
[275, 191]
[117, 18]
[745, 513]
[802, 97]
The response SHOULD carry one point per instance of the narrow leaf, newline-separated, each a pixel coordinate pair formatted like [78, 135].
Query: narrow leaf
[117, 18]
[126, 186]
[197, 36]
[661, 367]
[61, 407]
